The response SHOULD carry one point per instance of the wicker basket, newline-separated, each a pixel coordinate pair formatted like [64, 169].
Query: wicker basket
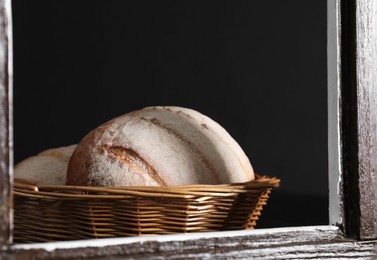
[56, 213]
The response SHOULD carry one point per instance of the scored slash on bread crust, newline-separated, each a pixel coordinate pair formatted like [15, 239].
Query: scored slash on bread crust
[130, 157]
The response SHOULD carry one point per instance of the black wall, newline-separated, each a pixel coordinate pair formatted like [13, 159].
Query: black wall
[256, 67]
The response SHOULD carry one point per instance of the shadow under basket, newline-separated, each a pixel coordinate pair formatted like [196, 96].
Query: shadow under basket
[59, 213]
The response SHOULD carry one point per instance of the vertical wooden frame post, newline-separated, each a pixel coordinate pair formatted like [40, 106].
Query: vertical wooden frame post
[366, 82]
[6, 131]
[357, 65]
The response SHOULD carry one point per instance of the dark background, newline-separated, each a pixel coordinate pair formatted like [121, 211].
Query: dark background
[256, 67]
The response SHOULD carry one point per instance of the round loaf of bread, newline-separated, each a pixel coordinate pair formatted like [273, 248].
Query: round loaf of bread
[158, 146]
[48, 167]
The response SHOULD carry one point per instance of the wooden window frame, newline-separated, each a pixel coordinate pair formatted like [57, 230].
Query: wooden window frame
[352, 119]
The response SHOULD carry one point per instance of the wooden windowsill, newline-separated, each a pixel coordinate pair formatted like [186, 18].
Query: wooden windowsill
[274, 243]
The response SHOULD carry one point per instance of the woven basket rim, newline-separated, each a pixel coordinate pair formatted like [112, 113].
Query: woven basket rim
[181, 191]
[262, 181]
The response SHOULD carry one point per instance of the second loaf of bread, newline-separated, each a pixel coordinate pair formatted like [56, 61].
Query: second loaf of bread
[158, 146]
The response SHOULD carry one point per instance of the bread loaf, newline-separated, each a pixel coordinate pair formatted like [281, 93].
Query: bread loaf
[48, 167]
[158, 146]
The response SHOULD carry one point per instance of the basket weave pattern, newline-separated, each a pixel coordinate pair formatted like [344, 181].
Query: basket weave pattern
[56, 213]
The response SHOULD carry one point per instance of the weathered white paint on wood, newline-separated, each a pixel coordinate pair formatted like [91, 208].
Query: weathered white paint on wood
[281, 243]
[352, 84]
[273, 234]
[366, 79]
[6, 131]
